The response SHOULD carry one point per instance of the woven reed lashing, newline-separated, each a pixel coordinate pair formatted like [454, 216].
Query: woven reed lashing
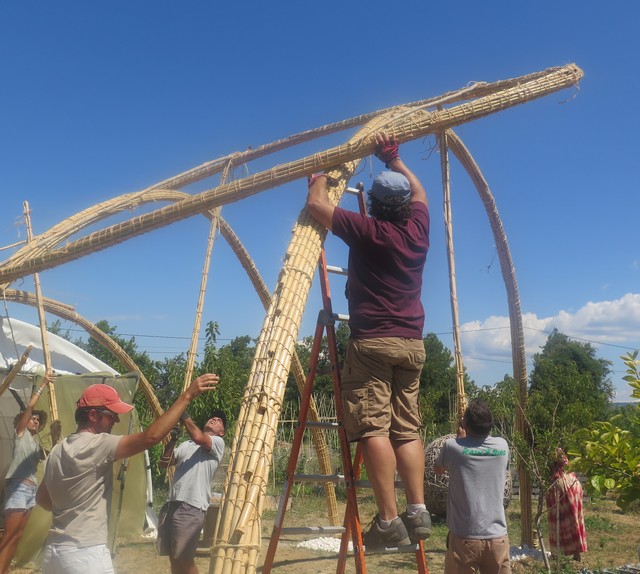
[318, 435]
[406, 128]
[45, 242]
[515, 321]
[252, 450]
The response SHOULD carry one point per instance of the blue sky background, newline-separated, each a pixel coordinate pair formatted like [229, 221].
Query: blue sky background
[101, 99]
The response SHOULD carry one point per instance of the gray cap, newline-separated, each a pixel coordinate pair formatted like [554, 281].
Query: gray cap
[391, 188]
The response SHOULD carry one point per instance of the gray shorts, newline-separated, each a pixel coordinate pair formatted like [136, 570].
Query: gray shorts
[179, 530]
[380, 385]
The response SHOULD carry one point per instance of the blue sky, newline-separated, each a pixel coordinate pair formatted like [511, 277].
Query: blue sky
[101, 99]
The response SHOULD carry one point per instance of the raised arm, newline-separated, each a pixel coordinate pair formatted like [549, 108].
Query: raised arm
[387, 152]
[196, 434]
[154, 433]
[21, 427]
[318, 202]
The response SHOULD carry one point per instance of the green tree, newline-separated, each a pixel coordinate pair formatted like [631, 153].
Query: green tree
[610, 455]
[569, 387]
[438, 387]
[501, 399]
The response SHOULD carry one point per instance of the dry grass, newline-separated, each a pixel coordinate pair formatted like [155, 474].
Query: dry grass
[613, 539]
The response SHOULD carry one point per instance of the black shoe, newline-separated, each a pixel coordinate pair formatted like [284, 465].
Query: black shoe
[418, 526]
[376, 537]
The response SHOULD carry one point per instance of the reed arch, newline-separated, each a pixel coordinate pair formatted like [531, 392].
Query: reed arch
[237, 538]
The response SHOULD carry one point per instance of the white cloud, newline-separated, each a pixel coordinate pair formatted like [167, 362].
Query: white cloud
[610, 326]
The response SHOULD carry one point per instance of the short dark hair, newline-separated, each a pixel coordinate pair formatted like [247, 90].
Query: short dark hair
[478, 418]
[386, 212]
[217, 413]
[82, 415]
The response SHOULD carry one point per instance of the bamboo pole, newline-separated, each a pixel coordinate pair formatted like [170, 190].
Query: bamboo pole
[15, 370]
[418, 124]
[461, 401]
[56, 425]
[515, 321]
[195, 335]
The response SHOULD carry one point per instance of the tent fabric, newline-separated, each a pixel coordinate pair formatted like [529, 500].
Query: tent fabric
[66, 358]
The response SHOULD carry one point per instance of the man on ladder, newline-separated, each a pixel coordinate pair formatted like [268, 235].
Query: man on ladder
[385, 354]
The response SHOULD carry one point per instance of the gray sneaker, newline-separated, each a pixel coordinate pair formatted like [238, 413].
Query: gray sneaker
[418, 526]
[377, 538]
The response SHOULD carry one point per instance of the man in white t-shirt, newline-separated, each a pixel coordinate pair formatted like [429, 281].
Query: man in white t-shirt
[78, 476]
[182, 517]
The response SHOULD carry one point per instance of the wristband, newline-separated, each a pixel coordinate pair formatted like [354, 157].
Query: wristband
[38, 392]
[184, 416]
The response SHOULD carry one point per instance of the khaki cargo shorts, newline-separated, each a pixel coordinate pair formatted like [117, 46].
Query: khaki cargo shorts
[380, 384]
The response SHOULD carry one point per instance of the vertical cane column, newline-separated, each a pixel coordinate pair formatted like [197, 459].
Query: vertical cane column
[56, 427]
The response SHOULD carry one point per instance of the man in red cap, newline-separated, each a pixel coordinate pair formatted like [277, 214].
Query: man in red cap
[385, 353]
[78, 477]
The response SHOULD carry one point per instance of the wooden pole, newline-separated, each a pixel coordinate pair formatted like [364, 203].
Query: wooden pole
[56, 426]
[461, 401]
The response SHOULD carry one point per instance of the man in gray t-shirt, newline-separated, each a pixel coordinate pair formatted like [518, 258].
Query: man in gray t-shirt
[78, 476]
[477, 465]
[182, 517]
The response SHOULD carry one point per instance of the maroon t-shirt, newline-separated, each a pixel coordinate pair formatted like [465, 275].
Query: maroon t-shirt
[386, 260]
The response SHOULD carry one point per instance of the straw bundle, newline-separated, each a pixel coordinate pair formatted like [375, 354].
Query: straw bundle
[237, 538]
[406, 127]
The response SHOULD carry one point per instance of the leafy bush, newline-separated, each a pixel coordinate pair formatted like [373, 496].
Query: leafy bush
[610, 455]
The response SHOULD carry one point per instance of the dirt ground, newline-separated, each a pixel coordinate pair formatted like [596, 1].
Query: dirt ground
[613, 539]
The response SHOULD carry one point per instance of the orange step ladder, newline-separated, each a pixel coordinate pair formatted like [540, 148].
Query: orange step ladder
[351, 529]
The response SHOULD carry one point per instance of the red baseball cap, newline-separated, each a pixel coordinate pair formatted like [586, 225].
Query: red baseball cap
[101, 395]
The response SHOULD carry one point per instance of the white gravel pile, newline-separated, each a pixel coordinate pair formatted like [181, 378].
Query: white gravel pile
[517, 553]
[330, 544]
[323, 544]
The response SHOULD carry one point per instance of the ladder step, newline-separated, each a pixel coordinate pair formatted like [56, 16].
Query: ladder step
[313, 530]
[340, 317]
[352, 190]
[394, 549]
[367, 484]
[322, 425]
[337, 270]
[318, 477]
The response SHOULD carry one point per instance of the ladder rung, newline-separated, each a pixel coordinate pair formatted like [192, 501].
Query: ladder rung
[393, 549]
[337, 270]
[367, 484]
[340, 317]
[318, 477]
[313, 530]
[321, 425]
[352, 190]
